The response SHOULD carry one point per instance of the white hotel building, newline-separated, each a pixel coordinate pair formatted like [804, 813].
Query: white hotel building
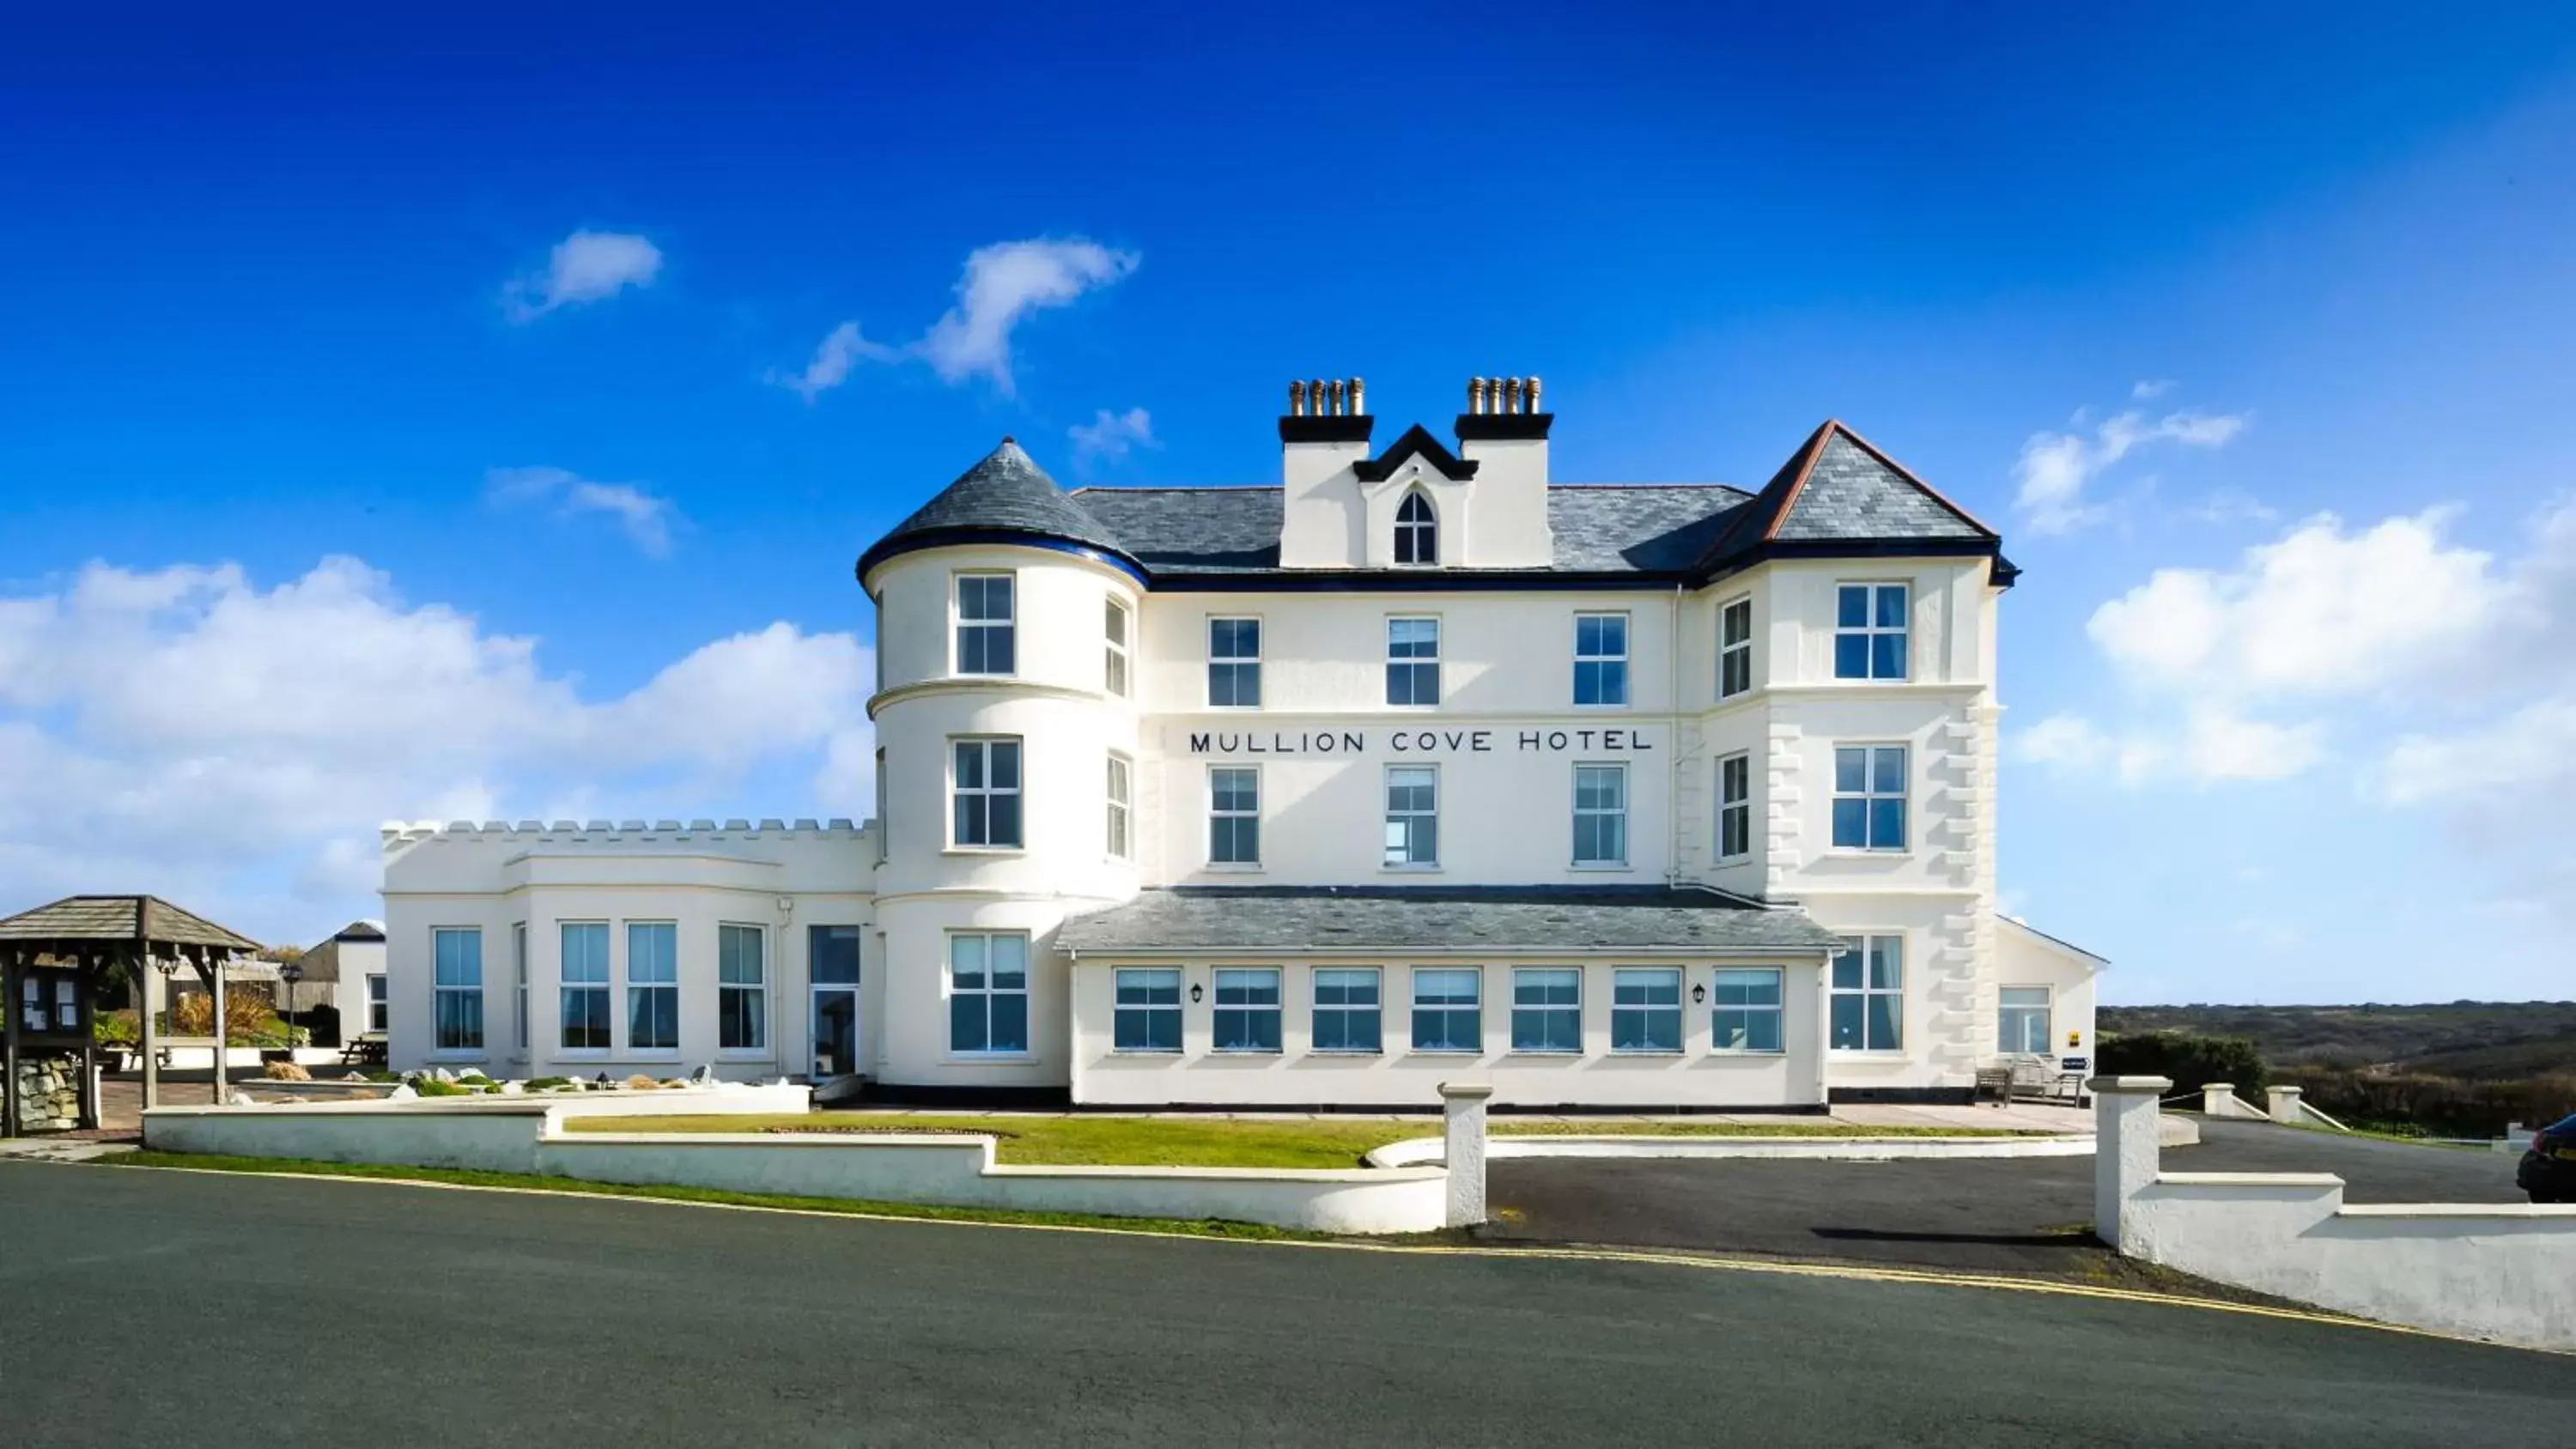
[1418, 766]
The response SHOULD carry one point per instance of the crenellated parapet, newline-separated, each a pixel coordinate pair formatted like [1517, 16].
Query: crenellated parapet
[398, 834]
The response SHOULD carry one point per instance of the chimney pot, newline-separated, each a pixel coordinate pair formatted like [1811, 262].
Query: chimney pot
[1359, 400]
[1296, 399]
[1533, 395]
[1511, 394]
[1315, 396]
[1477, 393]
[1341, 398]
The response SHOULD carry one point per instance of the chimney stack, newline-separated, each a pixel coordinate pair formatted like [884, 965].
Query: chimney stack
[1326, 411]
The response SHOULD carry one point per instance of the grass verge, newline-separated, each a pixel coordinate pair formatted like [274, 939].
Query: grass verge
[471, 1177]
[1089, 1140]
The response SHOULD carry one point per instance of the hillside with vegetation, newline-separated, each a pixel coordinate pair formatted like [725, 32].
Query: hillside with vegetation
[2466, 1067]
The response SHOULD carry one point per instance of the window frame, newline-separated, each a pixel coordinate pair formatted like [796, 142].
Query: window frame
[1776, 1009]
[1118, 822]
[1250, 1012]
[1413, 668]
[1344, 1011]
[603, 987]
[1870, 630]
[988, 792]
[1007, 625]
[1603, 661]
[1626, 978]
[1730, 651]
[1871, 797]
[1739, 807]
[1215, 815]
[1235, 662]
[1550, 1015]
[1868, 959]
[379, 1003]
[468, 993]
[988, 992]
[1423, 533]
[1117, 648]
[637, 986]
[1445, 1009]
[1618, 770]
[1390, 816]
[762, 1047]
[2047, 1019]
[519, 987]
[1149, 1011]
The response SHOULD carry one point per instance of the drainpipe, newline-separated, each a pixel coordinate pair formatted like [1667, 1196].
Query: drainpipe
[1673, 732]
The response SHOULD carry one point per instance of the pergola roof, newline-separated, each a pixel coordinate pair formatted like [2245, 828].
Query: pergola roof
[120, 920]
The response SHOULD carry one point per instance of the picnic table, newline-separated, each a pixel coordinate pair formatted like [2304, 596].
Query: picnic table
[363, 1051]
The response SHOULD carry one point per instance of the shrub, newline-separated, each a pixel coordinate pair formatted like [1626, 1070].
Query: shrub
[284, 1071]
[249, 1019]
[433, 1087]
[117, 1028]
[2190, 1059]
[2425, 1101]
[641, 1083]
[546, 1084]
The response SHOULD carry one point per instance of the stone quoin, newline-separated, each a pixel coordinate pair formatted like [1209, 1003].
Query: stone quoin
[1415, 767]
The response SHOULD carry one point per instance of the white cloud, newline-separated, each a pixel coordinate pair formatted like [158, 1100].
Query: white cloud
[2055, 467]
[2322, 611]
[646, 517]
[2151, 387]
[2209, 746]
[841, 349]
[587, 266]
[1112, 435]
[184, 731]
[2440, 669]
[1003, 284]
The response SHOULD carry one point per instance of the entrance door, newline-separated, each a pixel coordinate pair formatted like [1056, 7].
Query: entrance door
[832, 954]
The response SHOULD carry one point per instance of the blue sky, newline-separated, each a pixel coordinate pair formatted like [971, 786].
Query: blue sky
[404, 421]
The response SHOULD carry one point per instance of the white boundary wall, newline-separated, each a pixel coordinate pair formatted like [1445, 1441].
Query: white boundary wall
[525, 1135]
[2499, 1271]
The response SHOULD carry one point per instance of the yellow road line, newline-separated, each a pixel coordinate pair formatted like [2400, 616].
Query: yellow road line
[1863, 1273]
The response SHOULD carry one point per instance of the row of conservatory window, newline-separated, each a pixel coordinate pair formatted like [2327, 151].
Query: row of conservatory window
[1447, 1009]
[1873, 637]
[587, 992]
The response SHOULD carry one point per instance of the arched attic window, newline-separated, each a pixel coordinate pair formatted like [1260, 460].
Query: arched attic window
[1417, 532]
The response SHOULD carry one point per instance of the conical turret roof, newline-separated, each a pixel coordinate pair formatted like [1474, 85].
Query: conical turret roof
[1006, 498]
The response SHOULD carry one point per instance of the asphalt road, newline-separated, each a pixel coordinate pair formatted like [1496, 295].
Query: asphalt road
[151, 1307]
[2013, 1215]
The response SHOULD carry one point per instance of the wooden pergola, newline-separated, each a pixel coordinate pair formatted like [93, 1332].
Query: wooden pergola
[55, 962]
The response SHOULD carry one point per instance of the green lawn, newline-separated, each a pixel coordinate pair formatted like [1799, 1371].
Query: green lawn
[1089, 1140]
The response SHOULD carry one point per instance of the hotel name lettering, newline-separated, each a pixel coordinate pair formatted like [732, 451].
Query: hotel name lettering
[1587, 741]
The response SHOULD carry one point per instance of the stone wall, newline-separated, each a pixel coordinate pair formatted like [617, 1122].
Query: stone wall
[48, 1092]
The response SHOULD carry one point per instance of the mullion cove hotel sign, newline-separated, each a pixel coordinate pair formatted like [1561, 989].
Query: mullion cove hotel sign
[1411, 741]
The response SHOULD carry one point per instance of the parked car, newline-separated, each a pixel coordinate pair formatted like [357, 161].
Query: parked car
[2549, 1168]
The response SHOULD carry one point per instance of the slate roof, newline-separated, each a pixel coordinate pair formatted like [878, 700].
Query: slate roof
[109, 919]
[1837, 488]
[322, 962]
[1836, 495]
[1007, 494]
[1394, 920]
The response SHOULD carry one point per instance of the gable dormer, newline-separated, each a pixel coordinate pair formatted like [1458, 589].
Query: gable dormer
[1486, 503]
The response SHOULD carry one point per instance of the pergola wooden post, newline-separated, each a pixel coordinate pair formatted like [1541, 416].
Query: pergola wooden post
[76, 941]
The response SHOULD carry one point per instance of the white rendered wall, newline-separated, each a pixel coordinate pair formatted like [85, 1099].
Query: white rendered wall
[1397, 1076]
[495, 878]
[2025, 958]
[929, 887]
